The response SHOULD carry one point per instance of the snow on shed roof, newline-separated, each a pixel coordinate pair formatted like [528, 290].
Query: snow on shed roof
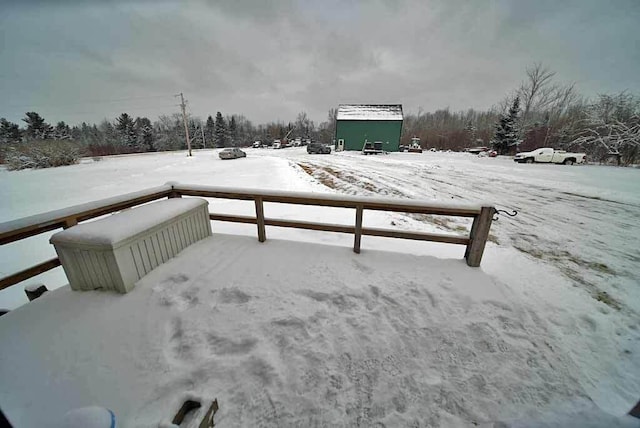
[369, 112]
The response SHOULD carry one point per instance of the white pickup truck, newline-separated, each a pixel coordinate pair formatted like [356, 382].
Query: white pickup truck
[548, 155]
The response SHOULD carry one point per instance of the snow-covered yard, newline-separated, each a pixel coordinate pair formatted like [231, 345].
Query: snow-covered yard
[301, 334]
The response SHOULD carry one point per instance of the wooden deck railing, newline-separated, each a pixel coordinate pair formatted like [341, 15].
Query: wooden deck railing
[475, 242]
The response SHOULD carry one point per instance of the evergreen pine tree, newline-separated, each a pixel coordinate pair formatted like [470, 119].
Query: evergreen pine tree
[37, 128]
[144, 134]
[9, 132]
[126, 131]
[75, 133]
[85, 134]
[506, 135]
[209, 130]
[61, 131]
[220, 131]
[109, 134]
[96, 135]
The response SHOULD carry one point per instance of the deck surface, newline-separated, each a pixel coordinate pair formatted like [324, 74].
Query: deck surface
[285, 334]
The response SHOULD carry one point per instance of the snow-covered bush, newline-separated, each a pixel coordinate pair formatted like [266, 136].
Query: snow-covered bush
[42, 154]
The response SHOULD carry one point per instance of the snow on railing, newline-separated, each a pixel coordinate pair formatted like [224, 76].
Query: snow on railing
[475, 242]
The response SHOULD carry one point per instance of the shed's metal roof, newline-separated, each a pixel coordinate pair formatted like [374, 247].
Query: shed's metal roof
[369, 112]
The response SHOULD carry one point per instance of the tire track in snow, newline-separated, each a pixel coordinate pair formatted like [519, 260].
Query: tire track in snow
[548, 217]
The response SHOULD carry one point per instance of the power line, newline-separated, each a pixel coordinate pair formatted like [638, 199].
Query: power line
[119, 110]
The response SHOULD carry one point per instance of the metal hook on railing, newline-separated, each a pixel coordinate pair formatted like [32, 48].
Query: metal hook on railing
[496, 213]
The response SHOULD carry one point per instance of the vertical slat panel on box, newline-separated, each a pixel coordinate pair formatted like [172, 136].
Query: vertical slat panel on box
[185, 236]
[136, 262]
[151, 253]
[85, 269]
[187, 230]
[197, 218]
[177, 236]
[96, 271]
[113, 270]
[153, 239]
[192, 229]
[146, 257]
[168, 243]
[142, 258]
[196, 228]
[69, 266]
[158, 246]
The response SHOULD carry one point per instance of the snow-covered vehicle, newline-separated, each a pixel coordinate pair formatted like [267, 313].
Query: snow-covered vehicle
[549, 155]
[415, 146]
[488, 153]
[257, 144]
[476, 150]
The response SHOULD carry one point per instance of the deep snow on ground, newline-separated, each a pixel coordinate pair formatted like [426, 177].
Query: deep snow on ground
[575, 237]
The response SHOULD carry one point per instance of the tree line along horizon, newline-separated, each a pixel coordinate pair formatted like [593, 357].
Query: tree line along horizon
[539, 113]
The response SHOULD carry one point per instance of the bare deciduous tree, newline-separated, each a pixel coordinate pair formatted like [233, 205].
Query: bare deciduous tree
[613, 123]
[536, 91]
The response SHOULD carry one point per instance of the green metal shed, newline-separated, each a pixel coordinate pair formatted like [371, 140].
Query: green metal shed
[357, 123]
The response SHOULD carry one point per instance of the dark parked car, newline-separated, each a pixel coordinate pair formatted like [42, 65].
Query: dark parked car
[232, 153]
[318, 148]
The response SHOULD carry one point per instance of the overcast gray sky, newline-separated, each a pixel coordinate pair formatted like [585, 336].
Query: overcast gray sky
[86, 60]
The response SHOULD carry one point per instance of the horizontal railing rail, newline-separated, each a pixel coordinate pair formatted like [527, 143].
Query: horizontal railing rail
[302, 198]
[34, 225]
[475, 241]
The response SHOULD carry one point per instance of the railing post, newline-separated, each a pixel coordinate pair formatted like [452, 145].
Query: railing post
[479, 234]
[262, 234]
[358, 232]
[70, 222]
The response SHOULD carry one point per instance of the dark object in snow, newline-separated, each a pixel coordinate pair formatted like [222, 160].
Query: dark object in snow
[232, 153]
[318, 148]
[190, 405]
[187, 406]
[372, 148]
[635, 412]
[2, 312]
[34, 291]
[207, 421]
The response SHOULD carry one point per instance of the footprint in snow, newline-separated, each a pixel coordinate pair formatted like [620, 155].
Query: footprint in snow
[233, 295]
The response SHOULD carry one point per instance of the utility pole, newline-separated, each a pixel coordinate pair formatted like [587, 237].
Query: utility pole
[204, 143]
[184, 119]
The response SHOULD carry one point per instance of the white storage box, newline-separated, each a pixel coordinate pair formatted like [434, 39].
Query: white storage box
[114, 252]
